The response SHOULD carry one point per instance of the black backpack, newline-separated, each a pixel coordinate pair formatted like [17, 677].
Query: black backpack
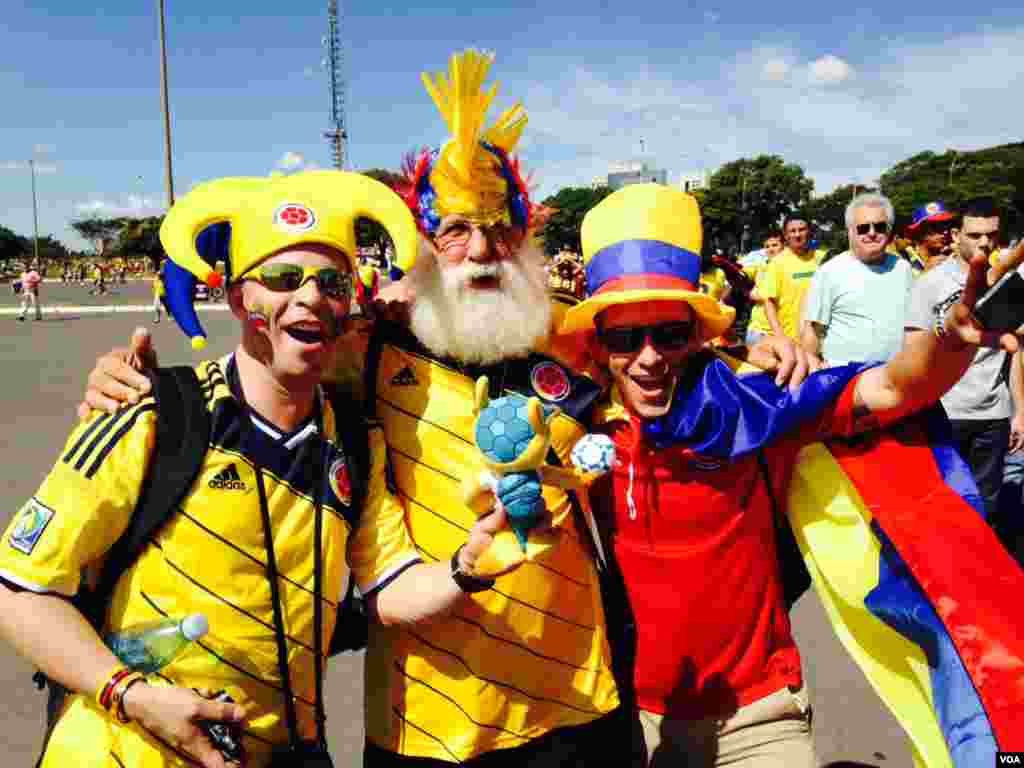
[182, 442]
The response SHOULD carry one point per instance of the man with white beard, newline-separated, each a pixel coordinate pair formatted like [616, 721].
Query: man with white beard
[522, 674]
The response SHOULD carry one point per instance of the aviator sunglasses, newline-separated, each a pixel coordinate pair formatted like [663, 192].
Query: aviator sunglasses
[285, 278]
[670, 336]
[881, 227]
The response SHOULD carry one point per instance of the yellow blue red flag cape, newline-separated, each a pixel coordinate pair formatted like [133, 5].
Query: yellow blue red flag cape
[918, 588]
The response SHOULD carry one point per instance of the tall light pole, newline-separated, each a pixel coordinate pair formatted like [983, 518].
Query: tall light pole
[35, 212]
[169, 174]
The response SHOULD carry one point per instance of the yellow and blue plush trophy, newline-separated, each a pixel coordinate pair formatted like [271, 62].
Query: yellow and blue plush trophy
[640, 244]
[244, 220]
[513, 435]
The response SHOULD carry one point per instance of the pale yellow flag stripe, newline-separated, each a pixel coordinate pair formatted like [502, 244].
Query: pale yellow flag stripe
[832, 526]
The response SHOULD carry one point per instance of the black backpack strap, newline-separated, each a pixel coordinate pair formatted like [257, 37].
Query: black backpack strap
[795, 577]
[351, 624]
[182, 440]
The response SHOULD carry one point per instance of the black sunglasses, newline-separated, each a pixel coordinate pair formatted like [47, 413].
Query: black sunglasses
[881, 227]
[671, 336]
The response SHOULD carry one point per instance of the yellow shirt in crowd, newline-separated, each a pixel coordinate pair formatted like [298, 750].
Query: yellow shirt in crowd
[786, 279]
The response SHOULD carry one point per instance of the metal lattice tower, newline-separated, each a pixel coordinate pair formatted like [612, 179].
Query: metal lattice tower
[337, 134]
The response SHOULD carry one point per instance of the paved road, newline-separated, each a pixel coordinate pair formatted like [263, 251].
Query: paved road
[44, 368]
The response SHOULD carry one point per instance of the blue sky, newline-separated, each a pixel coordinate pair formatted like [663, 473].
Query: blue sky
[843, 90]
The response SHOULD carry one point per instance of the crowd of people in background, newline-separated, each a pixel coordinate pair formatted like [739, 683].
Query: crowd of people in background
[862, 303]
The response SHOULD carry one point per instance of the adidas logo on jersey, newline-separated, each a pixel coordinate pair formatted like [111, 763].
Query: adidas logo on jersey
[228, 479]
[404, 378]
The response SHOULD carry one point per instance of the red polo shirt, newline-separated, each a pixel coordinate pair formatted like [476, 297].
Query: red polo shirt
[695, 540]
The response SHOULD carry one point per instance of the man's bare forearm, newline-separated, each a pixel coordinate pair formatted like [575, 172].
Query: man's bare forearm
[810, 338]
[51, 633]
[925, 369]
[771, 312]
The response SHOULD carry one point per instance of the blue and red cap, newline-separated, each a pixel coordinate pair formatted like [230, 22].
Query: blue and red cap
[933, 211]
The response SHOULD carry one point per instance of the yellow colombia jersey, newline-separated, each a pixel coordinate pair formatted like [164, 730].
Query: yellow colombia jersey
[787, 278]
[210, 558]
[516, 661]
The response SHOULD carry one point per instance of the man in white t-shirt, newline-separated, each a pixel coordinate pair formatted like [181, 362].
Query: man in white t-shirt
[30, 280]
[857, 302]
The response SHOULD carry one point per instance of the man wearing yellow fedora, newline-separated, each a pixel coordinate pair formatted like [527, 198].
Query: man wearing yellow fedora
[704, 458]
[270, 527]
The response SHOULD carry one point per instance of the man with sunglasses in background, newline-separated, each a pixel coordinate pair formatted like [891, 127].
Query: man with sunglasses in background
[703, 458]
[931, 229]
[980, 405]
[857, 302]
[268, 534]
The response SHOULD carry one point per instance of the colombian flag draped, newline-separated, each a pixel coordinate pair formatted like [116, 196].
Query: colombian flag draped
[918, 588]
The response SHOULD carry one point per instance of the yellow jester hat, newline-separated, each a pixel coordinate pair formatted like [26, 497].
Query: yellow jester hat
[242, 221]
[473, 174]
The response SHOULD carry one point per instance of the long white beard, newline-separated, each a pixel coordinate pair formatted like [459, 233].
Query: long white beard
[454, 320]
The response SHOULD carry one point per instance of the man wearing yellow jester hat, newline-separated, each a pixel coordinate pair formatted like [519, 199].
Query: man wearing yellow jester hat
[706, 464]
[522, 673]
[272, 525]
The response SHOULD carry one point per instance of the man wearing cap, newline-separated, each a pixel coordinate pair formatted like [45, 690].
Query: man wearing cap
[702, 462]
[272, 510]
[981, 403]
[931, 229]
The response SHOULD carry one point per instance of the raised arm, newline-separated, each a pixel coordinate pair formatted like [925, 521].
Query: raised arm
[930, 363]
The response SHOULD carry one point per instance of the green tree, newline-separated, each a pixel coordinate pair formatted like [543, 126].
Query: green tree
[141, 237]
[99, 231]
[369, 233]
[955, 177]
[570, 205]
[12, 246]
[750, 196]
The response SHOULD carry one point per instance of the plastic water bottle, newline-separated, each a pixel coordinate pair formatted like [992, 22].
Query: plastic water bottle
[150, 646]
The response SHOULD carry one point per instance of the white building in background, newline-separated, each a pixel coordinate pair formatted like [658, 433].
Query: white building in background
[634, 172]
[691, 182]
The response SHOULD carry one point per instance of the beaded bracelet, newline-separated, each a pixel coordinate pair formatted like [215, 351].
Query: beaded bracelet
[103, 694]
[122, 690]
[118, 694]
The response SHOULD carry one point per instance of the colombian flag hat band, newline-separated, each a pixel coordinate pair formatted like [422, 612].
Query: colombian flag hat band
[635, 258]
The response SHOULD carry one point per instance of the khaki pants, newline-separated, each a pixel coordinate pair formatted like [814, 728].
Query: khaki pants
[773, 732]
[30, 300]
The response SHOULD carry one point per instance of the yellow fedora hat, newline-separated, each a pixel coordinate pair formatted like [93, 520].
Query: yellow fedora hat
[642, 243]
[266, 215]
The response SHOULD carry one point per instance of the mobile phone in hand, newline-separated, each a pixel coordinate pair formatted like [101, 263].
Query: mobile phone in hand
[1002, 306]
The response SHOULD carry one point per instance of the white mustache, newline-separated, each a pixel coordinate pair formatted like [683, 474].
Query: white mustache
[472, 271]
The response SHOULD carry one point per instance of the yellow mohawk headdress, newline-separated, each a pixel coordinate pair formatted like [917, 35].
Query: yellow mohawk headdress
[473, 174]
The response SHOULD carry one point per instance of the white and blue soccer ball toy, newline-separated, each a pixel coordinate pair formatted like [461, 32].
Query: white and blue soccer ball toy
[593, 454]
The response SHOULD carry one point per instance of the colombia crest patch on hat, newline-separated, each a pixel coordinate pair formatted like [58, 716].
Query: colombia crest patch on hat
[294, 217]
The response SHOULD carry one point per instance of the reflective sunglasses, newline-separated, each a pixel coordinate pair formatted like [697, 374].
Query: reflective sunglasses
[285, 278]
[670, 336]
[881, 227]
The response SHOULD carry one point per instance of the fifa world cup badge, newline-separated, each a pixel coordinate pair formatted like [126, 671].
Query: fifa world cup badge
[35, 516]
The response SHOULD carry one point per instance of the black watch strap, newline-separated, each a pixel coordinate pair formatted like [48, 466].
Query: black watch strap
[467, 582]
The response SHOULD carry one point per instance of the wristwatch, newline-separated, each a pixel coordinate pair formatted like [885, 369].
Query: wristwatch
[467, 582]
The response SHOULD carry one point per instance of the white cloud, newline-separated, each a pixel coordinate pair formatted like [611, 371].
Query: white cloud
[843, 117]
[131, 206]
[291, 161]
[775, 69]
[830, 69]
